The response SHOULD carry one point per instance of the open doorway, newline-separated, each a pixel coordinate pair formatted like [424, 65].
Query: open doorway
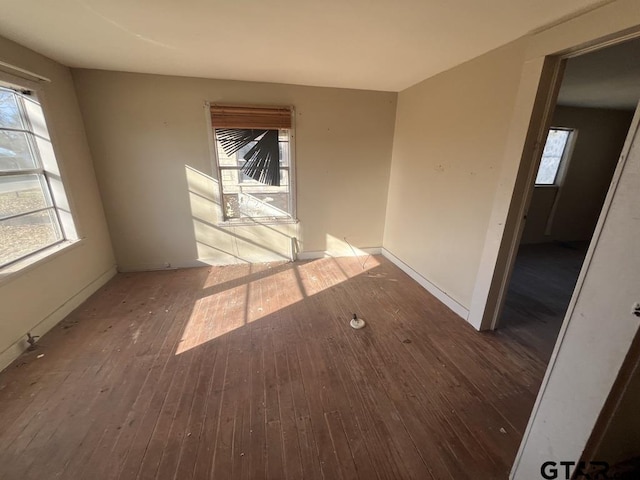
[595, 106]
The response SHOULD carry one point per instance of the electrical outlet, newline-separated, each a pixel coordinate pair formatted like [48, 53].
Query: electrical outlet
[636, 309]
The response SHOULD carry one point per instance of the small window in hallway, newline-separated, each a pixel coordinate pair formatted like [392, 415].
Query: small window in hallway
[555, 150]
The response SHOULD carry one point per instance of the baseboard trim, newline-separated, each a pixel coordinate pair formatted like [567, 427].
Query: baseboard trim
[433, 289]
[198, 263]
[203, 262]
[47, 323]
[356, 252]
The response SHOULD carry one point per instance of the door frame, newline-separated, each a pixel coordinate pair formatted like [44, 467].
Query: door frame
[537, 95]
[522, 456]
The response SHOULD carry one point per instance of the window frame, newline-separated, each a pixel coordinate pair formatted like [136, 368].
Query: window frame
[48, 170]
[217, 169]
[563, 163]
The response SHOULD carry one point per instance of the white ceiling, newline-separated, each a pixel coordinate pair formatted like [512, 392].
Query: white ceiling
[367, 44]
[607, 78]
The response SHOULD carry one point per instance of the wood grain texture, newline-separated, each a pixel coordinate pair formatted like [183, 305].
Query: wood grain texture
[544, 277]
[252, 371]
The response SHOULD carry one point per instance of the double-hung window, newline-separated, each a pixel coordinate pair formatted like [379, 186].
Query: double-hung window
[254, 161]
[29, 219]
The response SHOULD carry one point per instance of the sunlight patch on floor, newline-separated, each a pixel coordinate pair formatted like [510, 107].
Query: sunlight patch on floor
[225, 308]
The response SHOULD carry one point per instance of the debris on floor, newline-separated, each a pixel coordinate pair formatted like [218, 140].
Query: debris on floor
[31, 340]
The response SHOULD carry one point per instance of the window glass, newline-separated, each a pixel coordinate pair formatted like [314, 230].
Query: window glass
[22, 193]
[552, 154]
[9, 113]
[28, 217]
[26, 234]
[244, 196]
[15, 153]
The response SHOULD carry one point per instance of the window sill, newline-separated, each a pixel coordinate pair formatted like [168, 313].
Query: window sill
[11, 272]
[256, 222]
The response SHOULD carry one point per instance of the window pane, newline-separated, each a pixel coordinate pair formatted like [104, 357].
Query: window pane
[243, 205]
[548, 170]
[14, 151]
[237, 159]
[36, 117]
[225, 160]
[244, 150]
[9, 113]
[284, 178]
[551, 156]
[22, 193]
[23, 235]
[283, 139]
[231, 206]
[284, 153]
[245, 197]
[556, 141]
[229, 180]
[266, 205]
[235, 181]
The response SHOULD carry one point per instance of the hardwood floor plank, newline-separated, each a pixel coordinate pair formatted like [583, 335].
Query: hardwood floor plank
[252, 371]
[543, 279]
[340, 445]
[207, 314]
[257, 432]
[108, 458]
[235, 393]
[287, 416]
[309, 457]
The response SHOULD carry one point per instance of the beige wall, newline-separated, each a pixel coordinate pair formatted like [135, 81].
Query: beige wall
[149, 141]
[447, 152]
[35, 299]
[449, 227]
[458, 143]
[600, 136]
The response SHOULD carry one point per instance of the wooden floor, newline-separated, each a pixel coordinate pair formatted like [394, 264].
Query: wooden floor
[542, 283]
[252, 371]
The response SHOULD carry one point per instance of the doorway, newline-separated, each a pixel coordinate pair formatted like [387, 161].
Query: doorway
[588, 126]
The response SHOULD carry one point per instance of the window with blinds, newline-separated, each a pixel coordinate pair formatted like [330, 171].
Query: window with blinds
[253, 147]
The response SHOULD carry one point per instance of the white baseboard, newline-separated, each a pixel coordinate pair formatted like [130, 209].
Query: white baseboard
[201, 262]
[155, 267]
[433, 289]
[51, 320]
[205, 262]
[355, 252]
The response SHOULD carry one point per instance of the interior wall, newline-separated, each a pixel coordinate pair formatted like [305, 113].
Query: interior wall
[149, 140]
[36, 298]
[457, 149]
[599, 140]
[494, 99]
[448, 148]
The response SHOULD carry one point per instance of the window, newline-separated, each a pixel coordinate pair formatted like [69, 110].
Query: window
[253, 147]
[29, 220]
[555, 149]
